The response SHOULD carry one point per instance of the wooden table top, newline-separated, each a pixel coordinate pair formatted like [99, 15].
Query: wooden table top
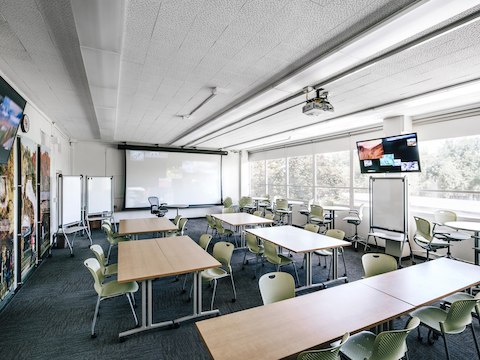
[288, 327]
[146, 225]
[154, 258]
[296, 239]
[464, 225]
[426, 282]
[238, 219]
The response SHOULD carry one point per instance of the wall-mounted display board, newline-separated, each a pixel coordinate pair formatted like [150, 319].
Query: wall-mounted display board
[7, 228]
[27, 202]
[69, 199]
[99, 195]
[44, 234]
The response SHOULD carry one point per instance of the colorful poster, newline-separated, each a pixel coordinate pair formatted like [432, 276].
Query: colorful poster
[28, 153]
[7, 223]
[44, 231]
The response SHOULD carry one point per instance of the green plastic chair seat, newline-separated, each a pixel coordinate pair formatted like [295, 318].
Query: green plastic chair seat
[111, 270]
[323, 253]
[283, 260]
[435, 243]
[324, 354]
[359, 346]
[215, 273]
[116, 239]
[114, 288]
[432, 317]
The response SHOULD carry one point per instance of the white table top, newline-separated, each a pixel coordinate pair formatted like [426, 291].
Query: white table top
[464, 225]
[296, 239]
[335, 208]
[239, 219]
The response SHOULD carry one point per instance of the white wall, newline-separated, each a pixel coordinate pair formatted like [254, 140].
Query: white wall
[101, 159]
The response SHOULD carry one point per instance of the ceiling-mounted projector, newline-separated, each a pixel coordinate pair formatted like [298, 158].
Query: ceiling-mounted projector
[318, 104]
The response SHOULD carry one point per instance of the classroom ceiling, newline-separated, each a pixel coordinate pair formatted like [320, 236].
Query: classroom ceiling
[133, 70]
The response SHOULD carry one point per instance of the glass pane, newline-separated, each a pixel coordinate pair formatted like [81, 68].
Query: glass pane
[300, 171]
[359, 180]
[257, 178]
[277, 172]
[336, 195]
[333, 169]
[304, 193]
[276, 190]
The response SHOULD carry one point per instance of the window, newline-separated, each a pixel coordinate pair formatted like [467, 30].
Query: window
[300, 177]
[333, 177]
[360, 183]
[277, 177]
[258, 180]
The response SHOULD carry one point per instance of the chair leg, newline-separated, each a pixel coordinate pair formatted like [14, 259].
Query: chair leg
[296, 273]
[133, 310]
[214, 291]
[108, 254]
[95, 314]
[344, 263]
[446, 346]
[184, 283]
[233, 287]
[475, 339]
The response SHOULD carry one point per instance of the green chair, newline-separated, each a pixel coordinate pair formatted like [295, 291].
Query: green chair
[252, 247]
[424, 238]
[107, 269]
[276, 286]
[227, 202]
[222, 251]
[337, 234]
[441, 231]
[211, 224]
[447, 301]
[221, 231]
[452, 321]
[312, 227]
[270, 216]
[279, 260]
[180, 228]
[203, 242]
[375, 264]
[317, 216]
[109, 290]
[177, 219]
[246, 204]
[112, 239]
[228, 210]
[324, 354]
[388, 345]
[282, 210]
[265, 203]
[258, 213]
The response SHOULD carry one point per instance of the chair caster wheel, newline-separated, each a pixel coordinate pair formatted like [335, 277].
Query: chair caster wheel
[189, 299]
[233, 300]
[346, 281]
[121, 340]
[175, 325]
[184, 291]
[246, 262]
[243, 267]
[93, 336]
[71, 255]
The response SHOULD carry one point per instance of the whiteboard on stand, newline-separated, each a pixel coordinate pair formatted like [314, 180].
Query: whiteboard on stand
[99, 194]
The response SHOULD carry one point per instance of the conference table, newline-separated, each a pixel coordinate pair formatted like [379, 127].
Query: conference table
[135, 227]
[468, 226]
[285, 328]
[240, 221]
[146, 260]
[332, 208]
[302, 241]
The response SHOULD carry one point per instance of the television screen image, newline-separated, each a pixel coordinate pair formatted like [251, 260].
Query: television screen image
[11, 112]
[391, 154]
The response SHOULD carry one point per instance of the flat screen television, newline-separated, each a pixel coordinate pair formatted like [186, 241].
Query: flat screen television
[11, 112]
[393, 154]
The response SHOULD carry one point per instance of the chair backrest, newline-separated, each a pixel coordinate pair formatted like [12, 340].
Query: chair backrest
[276, 286]
[107, 221]
[108, 231]
[177, 219]
[258, 213]
[442, 216]
[153, 200]
[270, 216]
[270, 252]
[336, 233]
[223, 251]
[210, 221]
[99, 254]
[324, 354]
[360, 211]
[181, 225]
[96, 270]
[227, 202]
[204, 241]
[391, 345]
[219, 225]
[459, 315]
[375, 264]
[281, 204]
[312, 227]
[228, 210]
[316, 211]
[252, 242]
[423, 228]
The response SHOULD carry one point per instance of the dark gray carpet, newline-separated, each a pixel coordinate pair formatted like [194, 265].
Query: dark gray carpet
[50, 317]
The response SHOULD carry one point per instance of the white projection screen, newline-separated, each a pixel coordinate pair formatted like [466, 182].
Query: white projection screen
[71, 199]
[99, 194]
[174, 177]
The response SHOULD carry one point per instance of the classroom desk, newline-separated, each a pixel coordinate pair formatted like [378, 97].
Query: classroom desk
[468, 226]
[257, 199]
[303, 241]
[426, 282]
[332, 209]
[147, 225]
[176, 206]
[145, 260]
[288, 327]
[241, 220]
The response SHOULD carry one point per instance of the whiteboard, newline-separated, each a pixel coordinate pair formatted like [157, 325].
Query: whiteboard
[99, 194]
[71, 199]
[388, 203]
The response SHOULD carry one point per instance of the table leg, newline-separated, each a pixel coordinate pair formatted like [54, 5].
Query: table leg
[308, 274]
[335, 264]
[476, 244]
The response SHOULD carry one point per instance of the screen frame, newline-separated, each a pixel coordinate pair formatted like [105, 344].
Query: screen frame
[384, 169]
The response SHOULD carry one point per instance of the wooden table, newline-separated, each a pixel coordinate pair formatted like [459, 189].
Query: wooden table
[145, 260]
[469, 226]
[288, 327]
[332, 209]
[426, 282]
[147, 225]
[303, 241]
[241, 220]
